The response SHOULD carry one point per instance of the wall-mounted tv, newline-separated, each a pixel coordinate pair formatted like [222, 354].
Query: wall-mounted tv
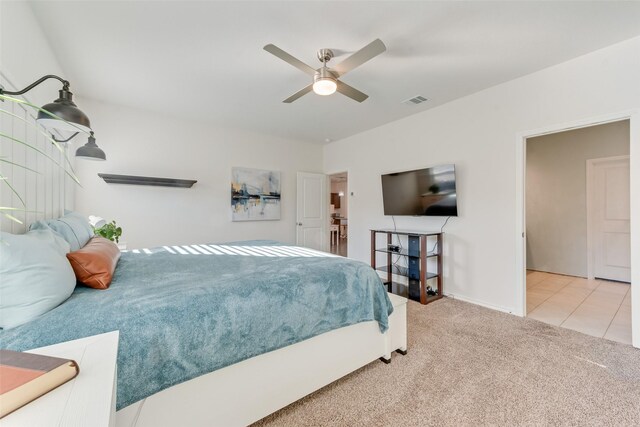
[422, 192]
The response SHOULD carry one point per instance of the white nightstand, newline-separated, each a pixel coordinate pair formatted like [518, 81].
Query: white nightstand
[87, 400]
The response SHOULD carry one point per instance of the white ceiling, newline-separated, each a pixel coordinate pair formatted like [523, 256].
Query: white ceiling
[204, 60]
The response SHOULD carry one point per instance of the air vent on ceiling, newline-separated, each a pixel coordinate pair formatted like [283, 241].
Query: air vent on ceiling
[415, 100]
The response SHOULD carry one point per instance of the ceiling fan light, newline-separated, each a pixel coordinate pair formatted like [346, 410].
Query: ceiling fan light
[325, 86]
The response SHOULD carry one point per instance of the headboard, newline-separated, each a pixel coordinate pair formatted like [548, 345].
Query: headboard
[46, 193]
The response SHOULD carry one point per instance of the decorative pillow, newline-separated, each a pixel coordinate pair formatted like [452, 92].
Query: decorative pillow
[35, 275]
[95, 263]
[73, 227]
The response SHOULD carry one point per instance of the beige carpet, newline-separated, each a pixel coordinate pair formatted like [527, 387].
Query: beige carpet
[468, 365]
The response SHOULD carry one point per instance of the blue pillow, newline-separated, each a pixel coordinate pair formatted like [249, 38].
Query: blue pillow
[36, 275]
[73, 227]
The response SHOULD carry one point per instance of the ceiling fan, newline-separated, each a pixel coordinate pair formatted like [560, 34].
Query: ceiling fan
[326, 80]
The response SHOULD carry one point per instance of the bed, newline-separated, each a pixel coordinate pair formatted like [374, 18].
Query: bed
[226, 334]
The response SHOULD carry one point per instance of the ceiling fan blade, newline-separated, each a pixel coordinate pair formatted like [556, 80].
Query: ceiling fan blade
[368, 52]
[351, 92]
[275, 50]
[298, 94]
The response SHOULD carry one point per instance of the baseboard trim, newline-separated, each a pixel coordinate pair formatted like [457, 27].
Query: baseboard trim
[403, 280]
[482, 304]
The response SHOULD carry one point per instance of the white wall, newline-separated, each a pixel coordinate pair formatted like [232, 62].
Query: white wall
[25, 53]
[139, 142]
[479, 134]
[557, 194]
[25, 56]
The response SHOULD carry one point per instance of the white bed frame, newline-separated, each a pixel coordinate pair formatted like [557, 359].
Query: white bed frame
[247, 391]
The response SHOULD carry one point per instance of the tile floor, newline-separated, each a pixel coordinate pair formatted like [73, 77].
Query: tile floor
[595, 307]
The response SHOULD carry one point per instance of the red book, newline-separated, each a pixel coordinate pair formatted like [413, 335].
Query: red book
[24, 377]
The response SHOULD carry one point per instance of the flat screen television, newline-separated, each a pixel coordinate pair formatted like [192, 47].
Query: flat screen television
[422, 192]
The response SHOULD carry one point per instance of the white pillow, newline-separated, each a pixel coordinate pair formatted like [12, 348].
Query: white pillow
[35, 275]
[72, 227]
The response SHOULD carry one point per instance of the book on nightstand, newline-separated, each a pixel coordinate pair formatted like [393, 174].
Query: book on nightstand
[24, 377]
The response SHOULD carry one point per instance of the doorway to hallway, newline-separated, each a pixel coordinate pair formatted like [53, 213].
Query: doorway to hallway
[577, 204]
[339, 213]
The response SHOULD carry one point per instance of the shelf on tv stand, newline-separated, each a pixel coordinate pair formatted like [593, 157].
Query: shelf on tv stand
[405, 252]
[408, 232]
[416, 254]
[403, 290]
[399, 270]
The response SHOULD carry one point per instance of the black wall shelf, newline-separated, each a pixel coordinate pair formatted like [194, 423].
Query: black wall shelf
[110, 178]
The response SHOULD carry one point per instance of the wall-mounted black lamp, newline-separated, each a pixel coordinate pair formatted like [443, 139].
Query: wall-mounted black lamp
[73, 119]
[90, 150]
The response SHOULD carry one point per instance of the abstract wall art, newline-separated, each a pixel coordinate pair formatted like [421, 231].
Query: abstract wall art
[255, 194]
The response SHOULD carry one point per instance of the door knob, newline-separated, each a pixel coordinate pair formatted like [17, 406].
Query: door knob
[299, 223]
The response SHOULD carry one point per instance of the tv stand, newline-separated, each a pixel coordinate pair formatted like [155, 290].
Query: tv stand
[422, 256]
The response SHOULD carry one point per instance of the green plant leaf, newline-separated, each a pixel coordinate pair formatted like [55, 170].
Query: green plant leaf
[71, 172]
[43, 133]
[6, 181]
[109, 231]
[3, 160]
[71, 175]
[11, 217]
[12, 209]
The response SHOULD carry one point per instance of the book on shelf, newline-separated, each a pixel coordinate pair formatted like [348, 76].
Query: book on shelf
[25, 377]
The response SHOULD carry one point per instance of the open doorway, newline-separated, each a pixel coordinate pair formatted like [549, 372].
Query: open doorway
[578, 264]
[339, 213]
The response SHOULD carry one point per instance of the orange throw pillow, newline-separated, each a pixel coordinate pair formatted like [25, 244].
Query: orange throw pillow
[95, 263]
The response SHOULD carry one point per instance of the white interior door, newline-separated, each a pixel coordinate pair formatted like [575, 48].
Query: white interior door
[610, 213]
[311, 221]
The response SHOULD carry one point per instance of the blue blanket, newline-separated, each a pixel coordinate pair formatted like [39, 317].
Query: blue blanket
[186, 311]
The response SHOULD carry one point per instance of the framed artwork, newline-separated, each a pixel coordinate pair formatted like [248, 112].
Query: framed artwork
[255, 195]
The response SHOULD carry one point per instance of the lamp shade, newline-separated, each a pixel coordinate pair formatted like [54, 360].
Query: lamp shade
[96, 221]
[90, 150]
[65, 109]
